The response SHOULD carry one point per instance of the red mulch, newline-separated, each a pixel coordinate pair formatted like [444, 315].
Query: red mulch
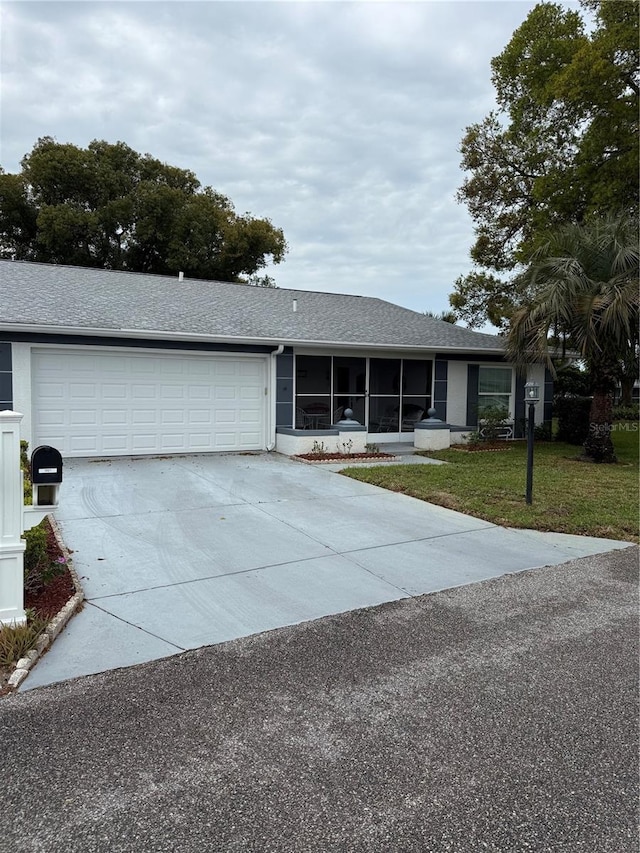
[48, 601]
[58, 591]
[342, 457]
[52, 597]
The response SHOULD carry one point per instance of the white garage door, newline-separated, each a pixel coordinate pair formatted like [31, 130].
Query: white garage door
[105, 403]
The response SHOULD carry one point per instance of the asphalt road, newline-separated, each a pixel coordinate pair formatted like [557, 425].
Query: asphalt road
[501, 716]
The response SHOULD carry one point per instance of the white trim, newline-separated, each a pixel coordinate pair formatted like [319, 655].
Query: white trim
[31, 349]
[169, 334]
[150, 350]
[512, 393]
[271, 390]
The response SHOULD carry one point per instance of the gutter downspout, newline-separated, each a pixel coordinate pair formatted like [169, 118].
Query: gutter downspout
[272, 407]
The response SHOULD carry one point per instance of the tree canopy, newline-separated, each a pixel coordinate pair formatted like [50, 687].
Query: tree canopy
[108, 206]
[562, 148]
[586, 279]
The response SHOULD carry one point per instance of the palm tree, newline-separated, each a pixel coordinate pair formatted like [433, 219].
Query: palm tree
[585, 284]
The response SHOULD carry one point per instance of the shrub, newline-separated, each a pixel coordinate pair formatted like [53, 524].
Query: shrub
[493, 420]
[36, 547]
[26, 472]
[573, 419]
[626, 413]
[17, 640]
[39, 568]
[543, 432]
[345, 447]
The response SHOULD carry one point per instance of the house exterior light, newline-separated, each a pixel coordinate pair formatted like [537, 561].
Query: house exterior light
[531, 393]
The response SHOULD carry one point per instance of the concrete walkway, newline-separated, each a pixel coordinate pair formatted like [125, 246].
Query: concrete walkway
[182, 552]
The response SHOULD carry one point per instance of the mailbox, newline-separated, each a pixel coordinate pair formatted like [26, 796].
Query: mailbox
[46, 475]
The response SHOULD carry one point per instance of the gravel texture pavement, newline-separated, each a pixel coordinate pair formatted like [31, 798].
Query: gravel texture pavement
[500, 716]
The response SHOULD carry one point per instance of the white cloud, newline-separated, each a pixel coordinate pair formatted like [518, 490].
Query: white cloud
[338, 121]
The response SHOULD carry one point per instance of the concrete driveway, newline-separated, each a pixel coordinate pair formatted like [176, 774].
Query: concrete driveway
[182, 552]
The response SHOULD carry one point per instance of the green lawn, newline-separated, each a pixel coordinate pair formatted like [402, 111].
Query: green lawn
[569, 496]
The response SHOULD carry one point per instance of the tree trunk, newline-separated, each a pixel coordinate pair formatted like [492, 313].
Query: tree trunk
[627, 383]
[598, 447]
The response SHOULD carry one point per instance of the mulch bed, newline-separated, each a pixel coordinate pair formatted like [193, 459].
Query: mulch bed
[51, 598]
[344, 457]
[48, 601]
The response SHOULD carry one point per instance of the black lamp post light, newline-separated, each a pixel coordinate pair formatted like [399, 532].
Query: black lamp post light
[531, 396]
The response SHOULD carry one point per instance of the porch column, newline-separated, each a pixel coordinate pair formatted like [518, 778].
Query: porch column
[12, 547]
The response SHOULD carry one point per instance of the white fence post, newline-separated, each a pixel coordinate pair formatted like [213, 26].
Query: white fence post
[12, 547]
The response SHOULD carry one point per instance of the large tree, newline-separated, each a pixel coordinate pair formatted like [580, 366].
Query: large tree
[562, 148]
[108, 206]
[586, 280]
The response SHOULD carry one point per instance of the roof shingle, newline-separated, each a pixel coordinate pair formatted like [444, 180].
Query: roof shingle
[63, 298]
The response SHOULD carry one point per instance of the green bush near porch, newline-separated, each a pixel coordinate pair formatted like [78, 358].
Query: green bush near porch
[569, 496]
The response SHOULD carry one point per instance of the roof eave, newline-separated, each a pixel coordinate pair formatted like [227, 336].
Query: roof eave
[196, 337]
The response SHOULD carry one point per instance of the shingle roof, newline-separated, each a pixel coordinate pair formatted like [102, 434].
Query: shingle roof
[63, 298]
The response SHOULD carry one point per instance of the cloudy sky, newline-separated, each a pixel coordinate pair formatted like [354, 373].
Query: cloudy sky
[339, 121]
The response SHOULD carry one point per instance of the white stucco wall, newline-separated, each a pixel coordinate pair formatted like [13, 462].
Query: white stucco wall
[21, 371]
[346, 442]
[457, 393]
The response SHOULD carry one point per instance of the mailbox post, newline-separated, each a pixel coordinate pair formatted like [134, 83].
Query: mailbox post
[11, 503]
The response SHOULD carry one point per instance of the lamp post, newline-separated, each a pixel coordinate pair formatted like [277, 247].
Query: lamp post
[531, 396]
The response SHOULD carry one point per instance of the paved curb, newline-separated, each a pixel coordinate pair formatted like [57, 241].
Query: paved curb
[57, 623]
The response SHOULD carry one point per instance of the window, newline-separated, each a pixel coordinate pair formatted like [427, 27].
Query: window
[494, 388]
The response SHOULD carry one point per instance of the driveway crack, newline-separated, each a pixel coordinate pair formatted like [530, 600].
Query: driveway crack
[133, 625]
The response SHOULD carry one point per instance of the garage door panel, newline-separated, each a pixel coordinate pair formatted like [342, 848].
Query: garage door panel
[172, 392]
[252, 394]
[52, 391]
[198, 392]
[114, 444]
[88, 403]
[79, 444]
[115, 417]
[223, 394]
[248, 437]
[199, 440]
[199, 417]
[86, 417]
[146, 417]
[173, 418]
[52, 418]
[143, 392]
[114, 392]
